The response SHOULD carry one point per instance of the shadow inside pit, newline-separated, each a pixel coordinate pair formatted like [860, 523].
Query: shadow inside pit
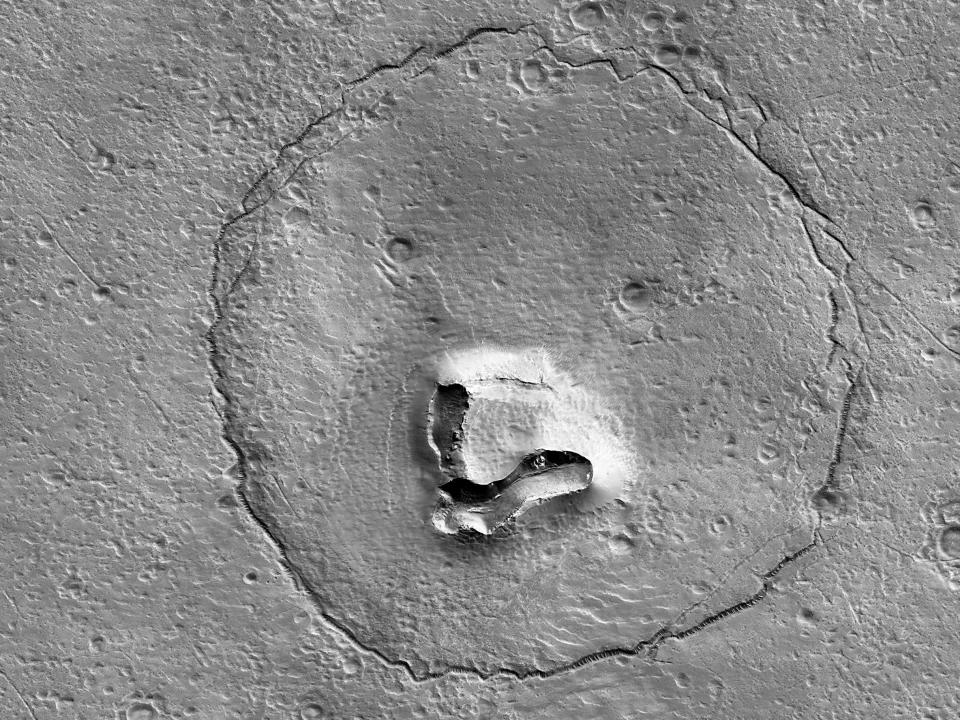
[435, 415]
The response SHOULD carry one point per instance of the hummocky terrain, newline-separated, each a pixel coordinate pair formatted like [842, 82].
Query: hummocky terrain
[497, 360]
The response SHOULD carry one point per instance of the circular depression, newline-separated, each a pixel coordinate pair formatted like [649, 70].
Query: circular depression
[524, 217]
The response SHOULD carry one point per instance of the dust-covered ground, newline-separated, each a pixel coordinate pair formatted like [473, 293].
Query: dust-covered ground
[278, 276]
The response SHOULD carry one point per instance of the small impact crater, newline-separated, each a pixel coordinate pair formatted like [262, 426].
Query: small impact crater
[588, 16]
[942, 546]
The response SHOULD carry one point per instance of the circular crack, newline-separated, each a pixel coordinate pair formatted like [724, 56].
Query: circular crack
[528, 216]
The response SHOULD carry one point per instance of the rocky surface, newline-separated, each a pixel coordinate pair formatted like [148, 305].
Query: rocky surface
[238, 240]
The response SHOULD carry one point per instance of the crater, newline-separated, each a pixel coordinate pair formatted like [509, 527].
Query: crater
[588, 16]
[949, 542]
[347, 369]
[637, 296]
